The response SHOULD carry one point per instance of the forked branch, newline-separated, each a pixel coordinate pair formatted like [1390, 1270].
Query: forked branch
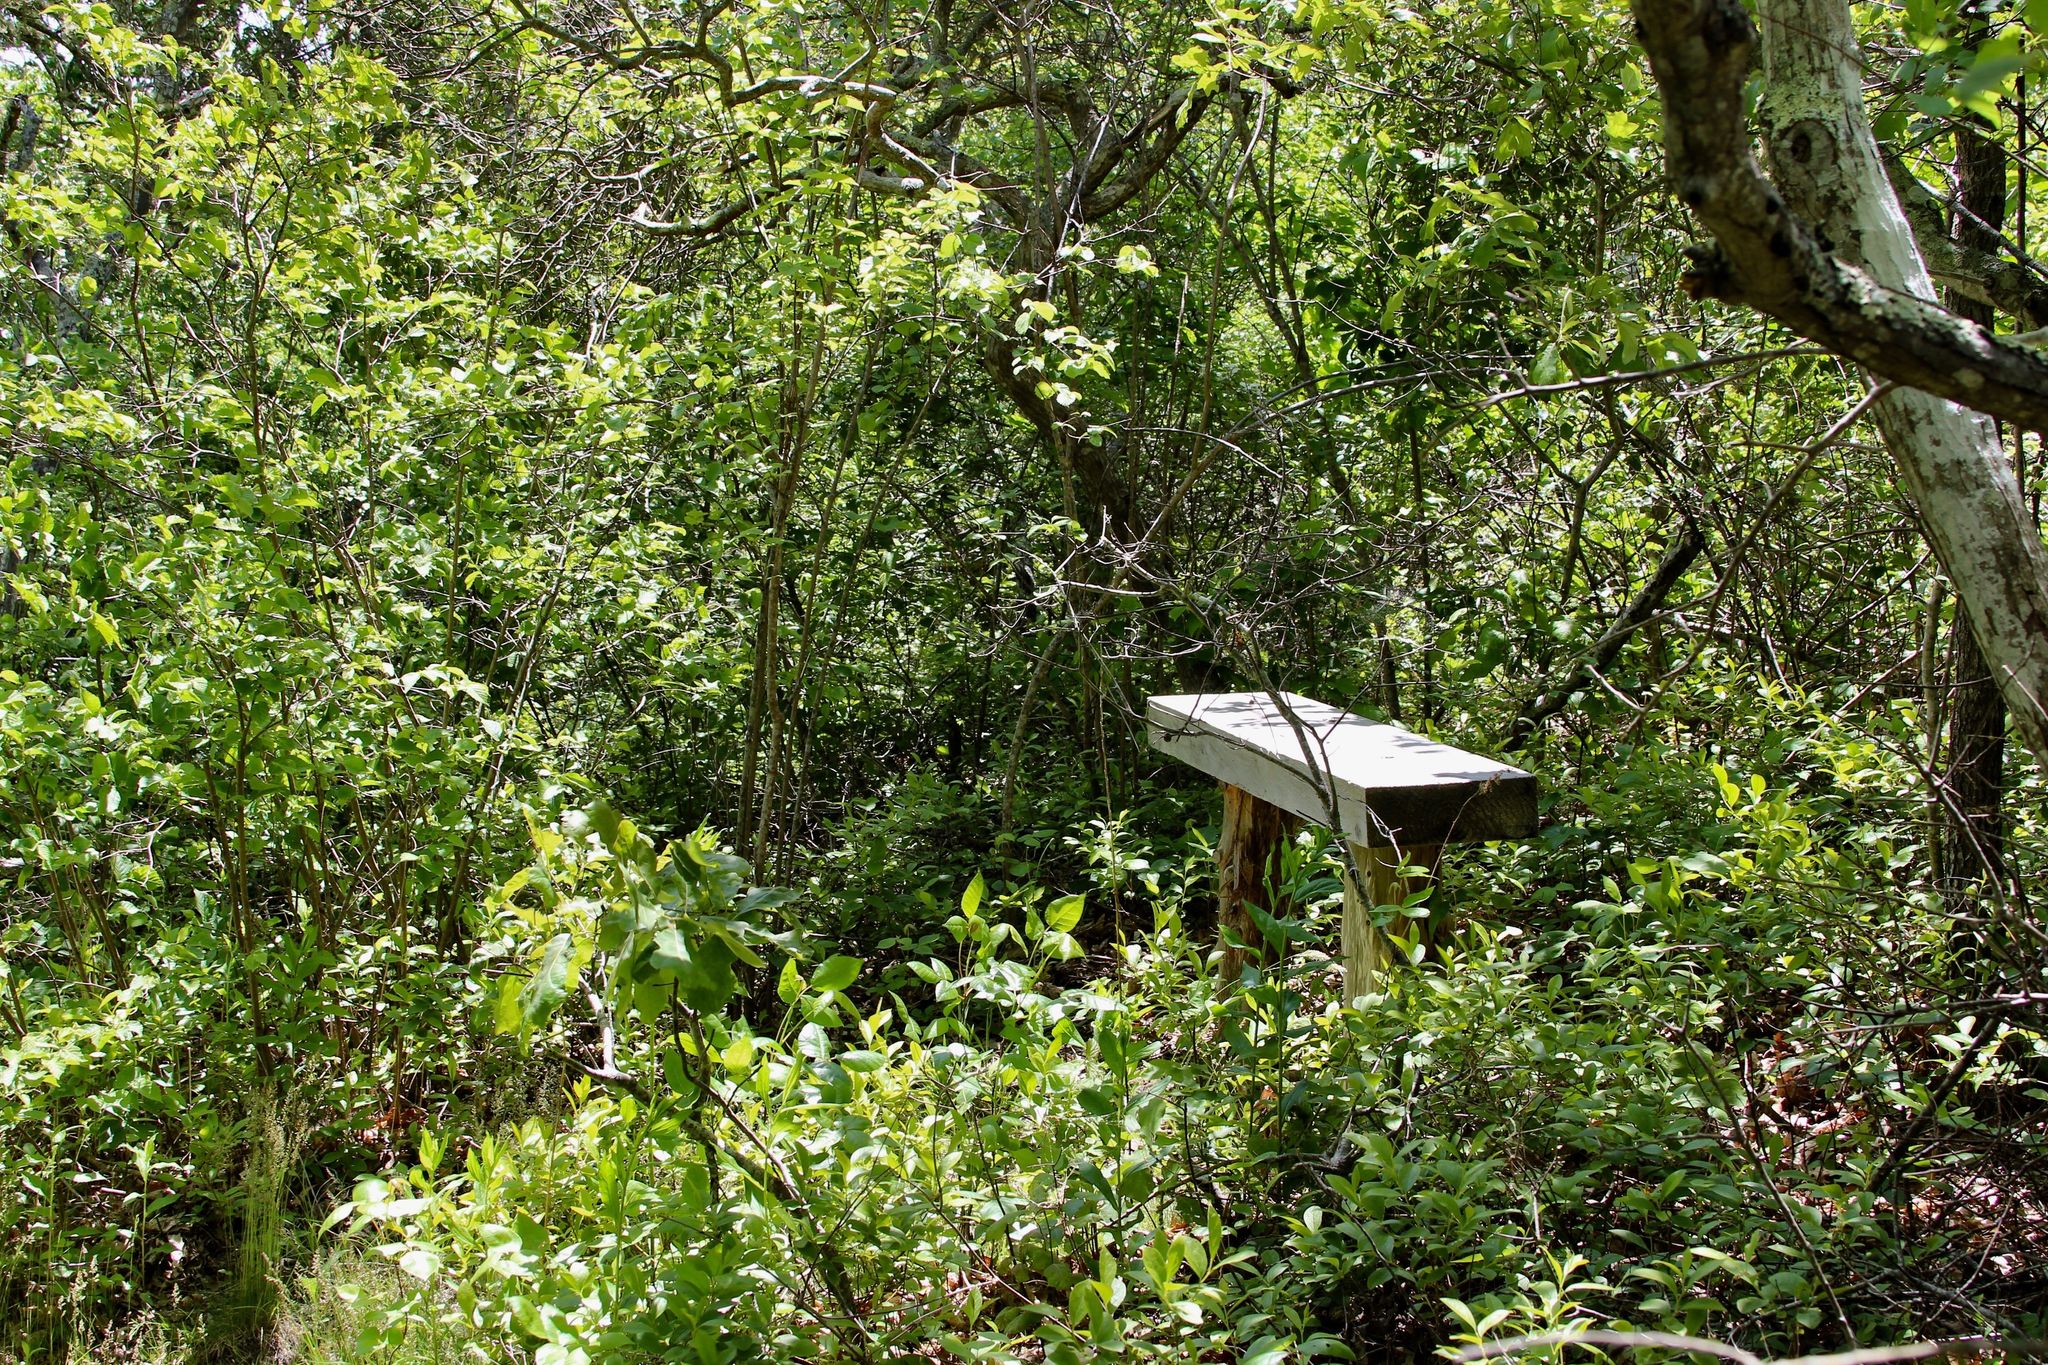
[1764, 256]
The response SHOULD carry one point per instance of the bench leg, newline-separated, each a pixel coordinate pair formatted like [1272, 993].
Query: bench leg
[1366, 951]
[1253, 831]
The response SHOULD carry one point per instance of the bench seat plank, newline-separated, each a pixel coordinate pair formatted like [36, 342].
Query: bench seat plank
[1393, 787]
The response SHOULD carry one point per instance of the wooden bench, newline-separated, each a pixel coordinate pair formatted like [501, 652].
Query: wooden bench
[1396, 797]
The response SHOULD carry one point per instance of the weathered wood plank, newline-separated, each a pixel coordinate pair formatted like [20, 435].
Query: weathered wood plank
[1392, 787]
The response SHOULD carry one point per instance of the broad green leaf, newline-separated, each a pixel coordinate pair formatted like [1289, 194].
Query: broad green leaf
[1064, 914]
[420, 1262]
[836, 974]
[549, 985]
[789, 986]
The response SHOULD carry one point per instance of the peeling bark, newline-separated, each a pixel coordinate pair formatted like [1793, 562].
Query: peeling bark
[1838, 264]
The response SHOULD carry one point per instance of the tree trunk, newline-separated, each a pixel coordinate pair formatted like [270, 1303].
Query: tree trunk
[1950, 460]
[1972, 841]
[1802, 268]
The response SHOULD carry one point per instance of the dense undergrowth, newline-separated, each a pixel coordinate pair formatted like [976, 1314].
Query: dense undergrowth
[571, 790]
[1679, 1077]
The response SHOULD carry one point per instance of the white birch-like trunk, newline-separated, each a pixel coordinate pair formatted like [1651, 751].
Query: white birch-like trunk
[1825, 161]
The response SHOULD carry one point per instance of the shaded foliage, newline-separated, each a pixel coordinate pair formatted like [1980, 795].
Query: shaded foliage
[492, 494]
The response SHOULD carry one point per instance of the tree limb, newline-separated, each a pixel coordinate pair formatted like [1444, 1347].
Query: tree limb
[1678, 557]
[2010, 286]
[1700, 52]
[1878, 311]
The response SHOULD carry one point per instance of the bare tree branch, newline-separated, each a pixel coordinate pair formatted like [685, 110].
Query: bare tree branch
[1765, 257]
[1878, 311]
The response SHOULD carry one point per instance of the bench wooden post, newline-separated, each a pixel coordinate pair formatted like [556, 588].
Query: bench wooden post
[1395, 796]
[1366, 950]
[1253, 831]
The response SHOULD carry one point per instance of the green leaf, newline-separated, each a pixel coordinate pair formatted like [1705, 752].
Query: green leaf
[670, 952]
[505, 1011]
[1990, 76]
[1276, 930]
[1266, 1351]
[1097, 1100]
[708, 981]
[970, 900]
[616, 831]
[1712, 864]
[420, 1262]
[836, 974]
[1064, 914]
[1517, 139]
[549, 985]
